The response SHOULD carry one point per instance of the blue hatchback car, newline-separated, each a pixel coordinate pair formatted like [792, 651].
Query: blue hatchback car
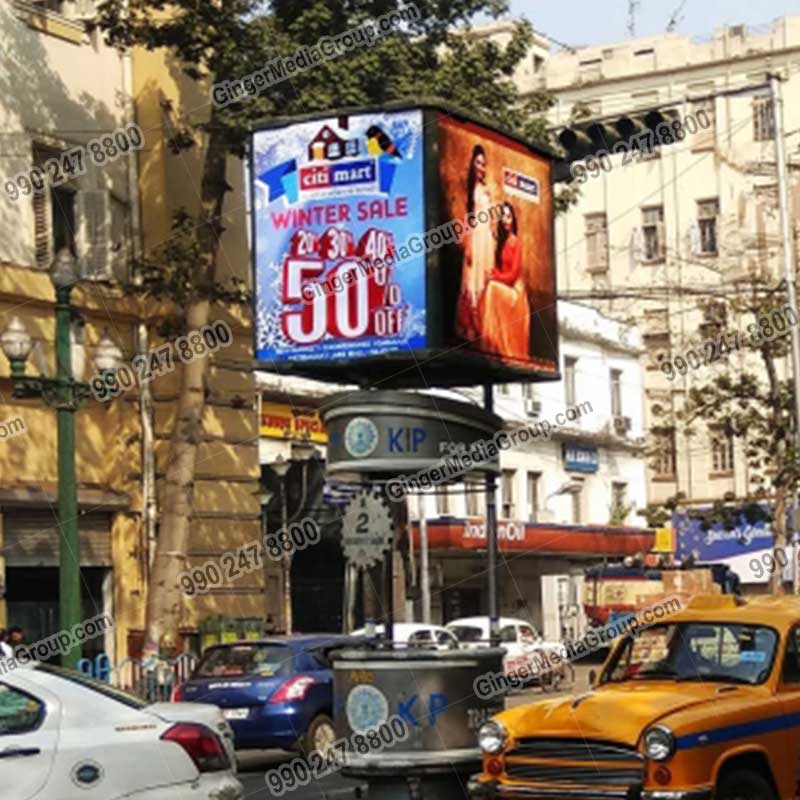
[275, 692]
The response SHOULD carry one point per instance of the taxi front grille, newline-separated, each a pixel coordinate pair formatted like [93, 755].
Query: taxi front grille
[586, 775]
[590, 750]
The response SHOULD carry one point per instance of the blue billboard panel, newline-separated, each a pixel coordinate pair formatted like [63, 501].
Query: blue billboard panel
[741, 546]
[337, 204]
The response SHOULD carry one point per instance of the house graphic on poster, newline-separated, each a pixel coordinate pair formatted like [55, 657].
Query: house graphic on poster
[327, 144]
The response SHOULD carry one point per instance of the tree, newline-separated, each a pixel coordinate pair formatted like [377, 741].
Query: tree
[746, 394]
[218, 40]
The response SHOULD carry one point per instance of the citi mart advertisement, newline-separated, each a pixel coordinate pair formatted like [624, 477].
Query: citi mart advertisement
[332, 199]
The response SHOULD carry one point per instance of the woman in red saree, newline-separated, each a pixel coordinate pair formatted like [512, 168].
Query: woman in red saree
[505, 319]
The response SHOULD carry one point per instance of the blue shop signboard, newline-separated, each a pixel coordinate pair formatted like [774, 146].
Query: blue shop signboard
[581, 458]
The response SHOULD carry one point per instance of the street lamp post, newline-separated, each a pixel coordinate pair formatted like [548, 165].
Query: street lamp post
[281, 468]
[64, 394]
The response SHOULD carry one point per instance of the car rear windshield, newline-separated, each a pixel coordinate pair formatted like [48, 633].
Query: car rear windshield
[130, 700]
[466, 633]
[245, 659]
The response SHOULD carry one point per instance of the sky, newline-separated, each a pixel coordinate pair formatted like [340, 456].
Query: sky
[581, 22]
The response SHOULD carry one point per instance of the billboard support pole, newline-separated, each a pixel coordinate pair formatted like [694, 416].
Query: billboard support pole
[424, 566]
[491, 533]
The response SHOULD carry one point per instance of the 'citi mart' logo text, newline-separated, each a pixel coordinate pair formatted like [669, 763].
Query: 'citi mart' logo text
[523, 186]
[327, 176]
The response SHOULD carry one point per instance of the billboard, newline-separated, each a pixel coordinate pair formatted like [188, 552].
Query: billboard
[741, 544]
[330, 197]
[405, 245]
[499, 288]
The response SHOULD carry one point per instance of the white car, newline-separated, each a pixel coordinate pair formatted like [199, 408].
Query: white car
[417, 634]
[64, 736]
[519, 638]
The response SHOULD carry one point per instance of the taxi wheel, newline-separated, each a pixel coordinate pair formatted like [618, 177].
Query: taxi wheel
[744, 784]
[320, 735]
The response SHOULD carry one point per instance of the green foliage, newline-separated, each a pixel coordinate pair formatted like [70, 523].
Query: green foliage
[746, 395]
[618, 513]
[437, 54]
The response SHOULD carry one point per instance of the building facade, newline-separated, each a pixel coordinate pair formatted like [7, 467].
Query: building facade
[62, 89]
[654, 239]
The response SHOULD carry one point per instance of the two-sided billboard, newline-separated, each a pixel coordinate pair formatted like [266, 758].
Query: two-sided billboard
[409, 245]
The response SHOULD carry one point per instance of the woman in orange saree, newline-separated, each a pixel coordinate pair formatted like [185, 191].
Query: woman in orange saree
[504, 313]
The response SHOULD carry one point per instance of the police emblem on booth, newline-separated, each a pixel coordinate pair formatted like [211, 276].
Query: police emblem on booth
[366, 708]
[367, 529]
[360, 437]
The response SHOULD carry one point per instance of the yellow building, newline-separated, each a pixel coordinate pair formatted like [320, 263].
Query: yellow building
[64, 88]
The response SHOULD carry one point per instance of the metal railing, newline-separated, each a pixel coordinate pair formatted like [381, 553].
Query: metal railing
[152, 679]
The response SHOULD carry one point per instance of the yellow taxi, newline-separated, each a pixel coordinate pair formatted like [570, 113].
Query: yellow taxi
[705, 704]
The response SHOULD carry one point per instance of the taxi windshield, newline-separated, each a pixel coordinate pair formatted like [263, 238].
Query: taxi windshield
[695, 651]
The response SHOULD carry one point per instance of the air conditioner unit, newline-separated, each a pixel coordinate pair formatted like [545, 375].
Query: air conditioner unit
[533, 408]
[622, 425]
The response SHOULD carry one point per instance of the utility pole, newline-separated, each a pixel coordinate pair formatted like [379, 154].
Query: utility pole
[789, 275]
[491, 533]
[425, 575]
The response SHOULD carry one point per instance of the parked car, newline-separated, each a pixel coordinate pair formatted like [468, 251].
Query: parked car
[704, 703]
[275, 692]
[417, 634]
[521, 642]
[64, 735]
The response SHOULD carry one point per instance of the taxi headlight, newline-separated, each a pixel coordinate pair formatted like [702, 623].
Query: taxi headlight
[492, 737]
[659, 743]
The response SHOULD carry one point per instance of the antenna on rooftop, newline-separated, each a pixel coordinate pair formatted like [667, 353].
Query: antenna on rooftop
[676, 17]
[632, 6]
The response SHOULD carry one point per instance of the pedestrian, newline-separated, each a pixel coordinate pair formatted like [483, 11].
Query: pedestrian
[16, 639]
[5, 647]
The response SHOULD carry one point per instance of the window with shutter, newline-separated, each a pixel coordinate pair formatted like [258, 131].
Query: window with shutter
[763, 121]
[707, 213]
[596, 243]
[704, 113]
[653, 233]
[663, 464]
[93, 241]
[43, 240]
